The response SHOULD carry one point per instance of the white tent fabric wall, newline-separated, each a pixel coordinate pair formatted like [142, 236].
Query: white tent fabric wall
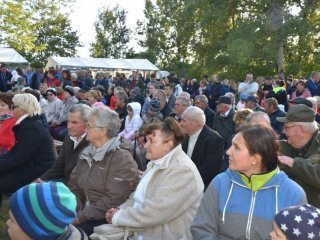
[102, 63]
[12, 57]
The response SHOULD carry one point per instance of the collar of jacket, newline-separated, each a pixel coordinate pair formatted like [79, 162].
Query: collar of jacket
[167, 158]
[256, 181]
[93, 153]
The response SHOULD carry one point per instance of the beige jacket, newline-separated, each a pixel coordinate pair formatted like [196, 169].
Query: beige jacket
[172, 198]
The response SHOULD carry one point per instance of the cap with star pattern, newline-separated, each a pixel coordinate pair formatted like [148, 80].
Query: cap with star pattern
[299, 222]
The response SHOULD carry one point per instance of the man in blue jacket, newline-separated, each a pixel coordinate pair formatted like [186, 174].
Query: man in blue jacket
[312, 83]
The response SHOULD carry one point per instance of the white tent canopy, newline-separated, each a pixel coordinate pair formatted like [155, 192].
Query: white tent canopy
[11, 57]
[102, 63]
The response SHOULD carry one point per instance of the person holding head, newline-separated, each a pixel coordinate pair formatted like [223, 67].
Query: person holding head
[300, 153]
[204, 146]
[241, 202]
[54, 104]
[7, 121]
[169, 192]
[32, 153]
[33, 216]
[59, 121]
[105, 174]
[72, 145]
[201, 101]
[165, 110]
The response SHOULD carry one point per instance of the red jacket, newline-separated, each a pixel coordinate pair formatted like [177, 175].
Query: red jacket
[6, 134]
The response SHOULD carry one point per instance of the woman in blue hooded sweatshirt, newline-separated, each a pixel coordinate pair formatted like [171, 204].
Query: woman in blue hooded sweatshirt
[241, 202]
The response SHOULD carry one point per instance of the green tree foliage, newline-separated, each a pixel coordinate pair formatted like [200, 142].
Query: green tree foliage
[37, 29]
[112, 35]
[234, 36]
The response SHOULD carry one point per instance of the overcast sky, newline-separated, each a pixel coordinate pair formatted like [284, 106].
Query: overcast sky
[85, 13]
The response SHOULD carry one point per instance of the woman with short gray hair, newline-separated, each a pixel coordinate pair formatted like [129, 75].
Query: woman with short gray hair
[105, 174]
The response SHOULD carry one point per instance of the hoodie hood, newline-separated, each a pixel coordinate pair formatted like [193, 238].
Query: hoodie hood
[136, 107]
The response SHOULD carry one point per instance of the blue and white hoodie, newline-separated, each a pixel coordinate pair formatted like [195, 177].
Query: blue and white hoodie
[231, 210]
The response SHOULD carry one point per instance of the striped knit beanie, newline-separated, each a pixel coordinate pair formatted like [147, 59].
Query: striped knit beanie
[43, 210]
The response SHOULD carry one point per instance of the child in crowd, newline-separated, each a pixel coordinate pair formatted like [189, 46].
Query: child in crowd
[295, 223]
[133, 122]
[43, 211]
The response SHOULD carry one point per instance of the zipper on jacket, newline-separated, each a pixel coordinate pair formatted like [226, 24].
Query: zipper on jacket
[253, 199]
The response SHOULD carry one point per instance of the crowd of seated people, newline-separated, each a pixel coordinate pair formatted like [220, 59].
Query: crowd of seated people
[159, 159]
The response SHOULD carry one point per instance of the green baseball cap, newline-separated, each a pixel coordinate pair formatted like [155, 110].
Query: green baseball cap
[298, 113]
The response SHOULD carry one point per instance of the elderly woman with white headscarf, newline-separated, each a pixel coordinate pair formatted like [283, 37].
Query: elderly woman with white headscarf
[33, 152]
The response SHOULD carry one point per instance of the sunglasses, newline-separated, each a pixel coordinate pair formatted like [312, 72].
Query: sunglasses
[14, 107]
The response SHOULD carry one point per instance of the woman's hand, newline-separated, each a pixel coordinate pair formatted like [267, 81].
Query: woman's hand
[75, 221]
[110, 213]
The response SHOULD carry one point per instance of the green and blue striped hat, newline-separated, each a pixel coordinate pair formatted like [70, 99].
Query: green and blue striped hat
[43, 210]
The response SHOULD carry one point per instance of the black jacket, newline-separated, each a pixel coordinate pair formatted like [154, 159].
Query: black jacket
[276, 125]
[207, 154]
[209, 117]
[32, 154]
[66, 161]
[224, 125]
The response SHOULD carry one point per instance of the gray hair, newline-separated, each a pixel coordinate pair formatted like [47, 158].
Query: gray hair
[184, 101]
[202, 98]
[314, 102]
[231, 95]
[309, 127]
[258, 117]
[28, 103]
[185, 95]
[122, 95]
[83, 109]
[106, 118]
[196, 114]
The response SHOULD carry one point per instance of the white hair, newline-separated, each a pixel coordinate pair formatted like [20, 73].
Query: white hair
[309, 127]
[196, 114]
[314, 102]
[28, 103]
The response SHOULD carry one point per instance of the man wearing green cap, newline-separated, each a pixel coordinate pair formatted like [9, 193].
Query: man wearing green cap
[301, 152]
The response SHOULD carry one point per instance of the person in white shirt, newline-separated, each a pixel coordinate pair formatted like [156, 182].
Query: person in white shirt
[249, 86]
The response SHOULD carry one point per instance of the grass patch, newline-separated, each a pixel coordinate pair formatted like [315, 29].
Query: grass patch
[3, 218]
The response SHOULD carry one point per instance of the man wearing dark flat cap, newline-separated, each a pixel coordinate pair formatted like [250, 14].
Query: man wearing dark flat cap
[300, 153]
[223, 118]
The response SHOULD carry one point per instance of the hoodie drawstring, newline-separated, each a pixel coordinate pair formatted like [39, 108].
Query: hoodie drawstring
[277, 200]
[225, 206]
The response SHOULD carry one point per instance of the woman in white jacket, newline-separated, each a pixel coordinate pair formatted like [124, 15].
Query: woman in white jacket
[133, 122]
[168, 195]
